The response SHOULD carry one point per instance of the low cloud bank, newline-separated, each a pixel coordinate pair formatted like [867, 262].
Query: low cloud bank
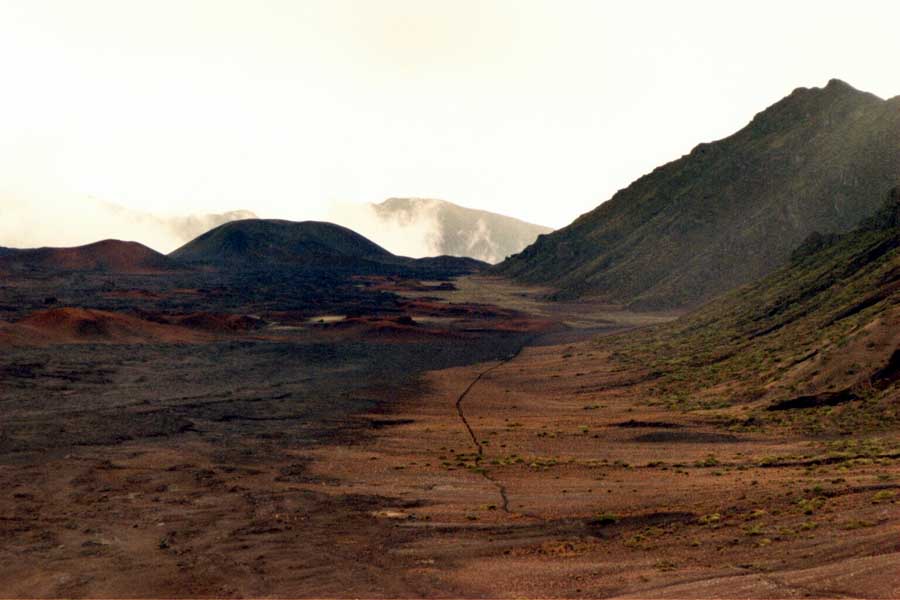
[420, 227]
[34, 223]
[413, 233]
[415, 227]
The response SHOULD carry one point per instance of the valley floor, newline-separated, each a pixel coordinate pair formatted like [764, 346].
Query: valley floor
[521, 464]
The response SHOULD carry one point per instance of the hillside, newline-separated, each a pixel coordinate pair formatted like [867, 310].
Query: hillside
[266, 244]
[161, 231]
[731, 211]
[71, 325]
[276, 241]
[111, 256]
[458, 231]
[823, 331]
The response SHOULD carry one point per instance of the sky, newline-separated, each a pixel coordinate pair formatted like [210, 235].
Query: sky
[536, 109]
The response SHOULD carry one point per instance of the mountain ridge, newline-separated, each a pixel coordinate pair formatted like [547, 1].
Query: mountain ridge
[110, 255]
[276, 240]
[821, 331]
[270, 243]
[730, 211]
[458, 230]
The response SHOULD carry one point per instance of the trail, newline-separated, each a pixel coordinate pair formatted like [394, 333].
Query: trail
[504, 506]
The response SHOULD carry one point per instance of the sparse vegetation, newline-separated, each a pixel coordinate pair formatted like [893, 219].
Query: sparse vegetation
[606, 519]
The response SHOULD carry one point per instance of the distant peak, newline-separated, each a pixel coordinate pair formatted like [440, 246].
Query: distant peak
[833, 87]
[114, 243]
[837, 84]
[393, 201]
[840, 88]
[838, 98]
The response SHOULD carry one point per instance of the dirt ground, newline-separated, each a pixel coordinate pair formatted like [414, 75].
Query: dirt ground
[513, 458]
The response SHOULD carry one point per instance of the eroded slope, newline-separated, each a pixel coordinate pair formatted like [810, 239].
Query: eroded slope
[731, 211]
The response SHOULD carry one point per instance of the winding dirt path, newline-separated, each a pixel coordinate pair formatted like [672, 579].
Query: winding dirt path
[501, 489]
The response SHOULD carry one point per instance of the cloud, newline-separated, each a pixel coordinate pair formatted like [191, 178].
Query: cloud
[33, 222]
[420, 227]
[478, 241]
[416, 233]
[414, 227]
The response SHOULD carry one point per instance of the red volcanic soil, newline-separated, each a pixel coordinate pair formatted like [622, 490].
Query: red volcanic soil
[548, 474]
[82, 325]
[471, 317]
[71, 325]
[219, 323]
[438, 308]
[387, 329]
[435, 319]
[144, 294]
[113, 256]
[401, 284]
[133, 294]
[521, 325]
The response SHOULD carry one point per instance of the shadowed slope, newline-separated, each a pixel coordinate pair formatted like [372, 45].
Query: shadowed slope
[265, 244]
[823, 331]
[276, 241]
[730, 211]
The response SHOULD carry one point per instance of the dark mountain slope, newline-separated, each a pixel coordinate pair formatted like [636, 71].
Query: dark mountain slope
[730, 211]
[112, 256]
[276, 241]
[264, 244]
[459, 231]
[823, 331]
[449, 263]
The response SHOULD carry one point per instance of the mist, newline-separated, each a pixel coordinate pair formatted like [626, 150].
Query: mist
[419, 227]
[33, 222]
[410, 233]
[414, 227]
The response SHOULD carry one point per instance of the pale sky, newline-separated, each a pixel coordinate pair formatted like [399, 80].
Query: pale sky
[536, 109]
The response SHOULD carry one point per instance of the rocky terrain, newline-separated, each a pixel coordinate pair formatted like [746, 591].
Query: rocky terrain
[462, 437]
[289, 410]
[731, 211]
